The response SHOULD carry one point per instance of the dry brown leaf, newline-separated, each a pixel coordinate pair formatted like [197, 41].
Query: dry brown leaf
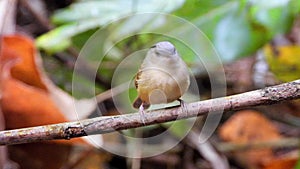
[28, 69]
[287, 161]
[27, 97]
[27, 100]
[26, 106]
[20, 49]
[250, 126]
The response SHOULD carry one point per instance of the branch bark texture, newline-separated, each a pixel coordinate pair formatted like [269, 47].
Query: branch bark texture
[106, 124]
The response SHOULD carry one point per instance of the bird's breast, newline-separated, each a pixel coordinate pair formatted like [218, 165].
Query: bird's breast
[158, 85]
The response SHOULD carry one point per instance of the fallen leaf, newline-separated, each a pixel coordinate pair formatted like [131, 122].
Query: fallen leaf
[249, 126]
[20, 50]
[28, 98]
[287, 161]
[24, 86]
[25, 100]
[284, 61]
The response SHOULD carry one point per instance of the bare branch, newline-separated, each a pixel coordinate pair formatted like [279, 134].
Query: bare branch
[291, 142]
[208, 152]
[100, 125]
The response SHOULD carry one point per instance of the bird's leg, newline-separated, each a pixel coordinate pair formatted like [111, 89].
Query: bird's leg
[142, 113]
[183, 106]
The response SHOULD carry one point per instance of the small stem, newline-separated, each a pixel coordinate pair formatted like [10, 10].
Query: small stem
[279, 143]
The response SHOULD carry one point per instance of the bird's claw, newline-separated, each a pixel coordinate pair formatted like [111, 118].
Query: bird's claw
[183, 105]
[142, 113]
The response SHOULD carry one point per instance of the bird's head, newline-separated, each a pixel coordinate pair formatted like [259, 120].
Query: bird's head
[164, 48]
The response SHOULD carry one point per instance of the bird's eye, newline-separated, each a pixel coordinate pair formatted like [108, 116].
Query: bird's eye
[174, 51]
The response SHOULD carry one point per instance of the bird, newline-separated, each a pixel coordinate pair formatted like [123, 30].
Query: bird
[163, 77]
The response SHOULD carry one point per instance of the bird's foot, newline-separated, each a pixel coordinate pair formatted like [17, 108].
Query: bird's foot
[142, 113]
[183, 106]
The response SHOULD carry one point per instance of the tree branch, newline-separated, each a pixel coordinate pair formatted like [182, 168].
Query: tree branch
[106, 124]
[279, 143]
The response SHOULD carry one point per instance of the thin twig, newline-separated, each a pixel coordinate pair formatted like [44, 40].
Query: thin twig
[108, 94]
[280, 143]
[7, 17]
[100, 125]
[40, 18]
[217, 161]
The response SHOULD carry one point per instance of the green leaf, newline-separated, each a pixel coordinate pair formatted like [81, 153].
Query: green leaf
[109, 10]
[52, 42]
[298, 164]
[194, 8]
[276, 20]
[294, 6]
[208, 22]
[85, 15]
[178, 128]
[60, 38]
[232, 35]
[276, 16]
[79, 40]
[80, 11]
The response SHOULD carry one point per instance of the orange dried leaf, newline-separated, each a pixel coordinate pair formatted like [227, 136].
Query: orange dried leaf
[246, 126]
[286, 162]
[26, 106]
[250, 126]
[25, 100]
[22, 50]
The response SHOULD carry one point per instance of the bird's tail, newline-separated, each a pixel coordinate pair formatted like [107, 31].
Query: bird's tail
[138, 102]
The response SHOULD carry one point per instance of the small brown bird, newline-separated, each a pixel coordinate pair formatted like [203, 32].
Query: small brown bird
[162, 78]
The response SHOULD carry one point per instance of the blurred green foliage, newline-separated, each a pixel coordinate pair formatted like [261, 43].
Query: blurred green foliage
[283, 61]
[298, 164]
[237, 28]
[85, 15]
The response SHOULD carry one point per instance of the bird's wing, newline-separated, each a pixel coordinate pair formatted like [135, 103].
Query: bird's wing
[138, 75]
[138, 102]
